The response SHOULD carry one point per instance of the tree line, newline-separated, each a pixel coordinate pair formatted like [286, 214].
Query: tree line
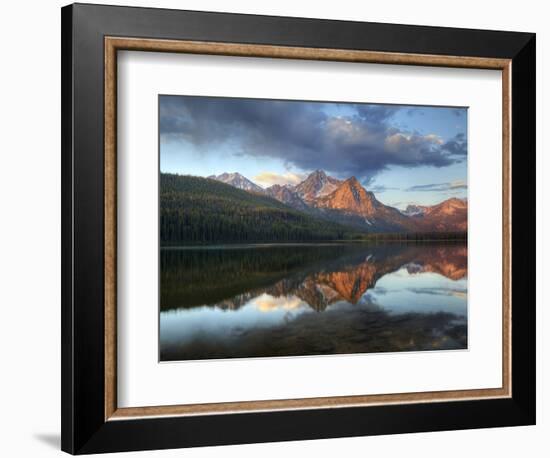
[196, 210]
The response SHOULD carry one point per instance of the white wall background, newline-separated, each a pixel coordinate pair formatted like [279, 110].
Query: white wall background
[30, 227]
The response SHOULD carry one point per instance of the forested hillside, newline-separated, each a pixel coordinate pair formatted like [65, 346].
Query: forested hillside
[202, 210]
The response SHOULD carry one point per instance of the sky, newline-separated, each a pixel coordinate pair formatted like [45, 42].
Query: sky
[404, 154]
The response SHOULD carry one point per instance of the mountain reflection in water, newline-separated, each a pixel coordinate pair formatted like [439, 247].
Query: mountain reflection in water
[312, 299]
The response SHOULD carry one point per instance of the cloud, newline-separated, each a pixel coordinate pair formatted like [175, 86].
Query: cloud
[376, 113]
[457, 145]
[439, 187]
[267, 303]
[304, 135]
[379, 188]
[403, 205]
[271, 178]
[459, 293]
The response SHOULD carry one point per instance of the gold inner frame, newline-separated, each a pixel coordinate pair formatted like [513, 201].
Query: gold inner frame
[114, 44]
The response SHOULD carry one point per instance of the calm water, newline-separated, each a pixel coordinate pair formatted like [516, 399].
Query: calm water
[281, 300]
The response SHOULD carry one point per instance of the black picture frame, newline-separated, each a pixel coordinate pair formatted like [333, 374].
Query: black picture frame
[84, 428]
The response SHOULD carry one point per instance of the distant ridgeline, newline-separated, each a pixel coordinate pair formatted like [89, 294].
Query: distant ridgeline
[196, 210]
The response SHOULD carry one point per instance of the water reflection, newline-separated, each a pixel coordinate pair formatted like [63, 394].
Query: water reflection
[281, 300]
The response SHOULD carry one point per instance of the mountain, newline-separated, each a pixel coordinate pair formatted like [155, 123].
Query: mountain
[345, 202]
[238, 181]
[449, 207]
[353, 200]
[201, 210]
[316, 185]
[449, 215]
[287, 196]
[351, 197]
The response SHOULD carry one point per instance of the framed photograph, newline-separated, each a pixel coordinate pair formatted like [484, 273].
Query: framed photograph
[281, 228]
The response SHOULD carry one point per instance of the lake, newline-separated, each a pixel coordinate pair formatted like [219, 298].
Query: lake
[312, 299]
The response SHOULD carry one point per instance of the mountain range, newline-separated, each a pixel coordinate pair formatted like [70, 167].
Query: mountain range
[347, 202]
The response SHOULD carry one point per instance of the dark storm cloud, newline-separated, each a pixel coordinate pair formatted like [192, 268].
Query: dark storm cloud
[457, 146]
[376, 113]
[303, 133]
[438, 187]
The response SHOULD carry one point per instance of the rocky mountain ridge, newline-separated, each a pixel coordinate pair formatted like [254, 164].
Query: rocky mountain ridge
[237, 180]
[348, 202]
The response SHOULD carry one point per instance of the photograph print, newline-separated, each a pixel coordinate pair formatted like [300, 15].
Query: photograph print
[301, 228]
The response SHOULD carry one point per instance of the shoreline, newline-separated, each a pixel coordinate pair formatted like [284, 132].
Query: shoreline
[312, 243]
